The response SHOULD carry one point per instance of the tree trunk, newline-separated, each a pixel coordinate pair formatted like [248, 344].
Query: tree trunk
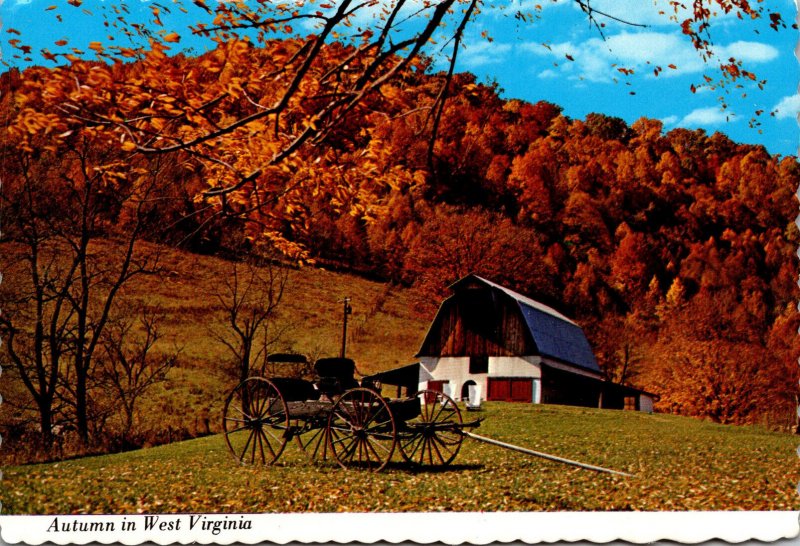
[81, 408]
[46, 422]
[244, 370]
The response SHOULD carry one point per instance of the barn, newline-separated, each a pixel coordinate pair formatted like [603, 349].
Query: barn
[512, 348]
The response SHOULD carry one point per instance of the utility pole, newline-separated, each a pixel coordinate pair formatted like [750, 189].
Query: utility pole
[347, 311]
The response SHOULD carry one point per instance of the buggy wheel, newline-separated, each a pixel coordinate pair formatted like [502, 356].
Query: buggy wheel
[255, 422]
[434, 436]
[361, 430]
[312, 438]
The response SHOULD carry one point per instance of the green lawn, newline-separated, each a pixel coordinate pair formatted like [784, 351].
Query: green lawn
[679, 463]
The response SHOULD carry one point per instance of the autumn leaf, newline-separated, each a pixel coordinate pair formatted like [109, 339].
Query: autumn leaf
[202, 4]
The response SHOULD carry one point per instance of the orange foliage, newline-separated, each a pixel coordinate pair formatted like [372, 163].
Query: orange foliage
[614, 225]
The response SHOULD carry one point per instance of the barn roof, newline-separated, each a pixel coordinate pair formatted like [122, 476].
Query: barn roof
[555, 335]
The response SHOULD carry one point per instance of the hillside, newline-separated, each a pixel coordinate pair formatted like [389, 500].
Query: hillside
[384, 331]
[675, 250]
[679, 464]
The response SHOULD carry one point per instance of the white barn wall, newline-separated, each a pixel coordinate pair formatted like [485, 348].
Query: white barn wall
[452, 368]
[455, 369]
[515, 366]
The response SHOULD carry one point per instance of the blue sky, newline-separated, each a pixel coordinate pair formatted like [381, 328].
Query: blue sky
[556, 57]
[525, 68]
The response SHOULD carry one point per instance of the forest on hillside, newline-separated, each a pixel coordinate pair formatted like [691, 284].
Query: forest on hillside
[675, 252]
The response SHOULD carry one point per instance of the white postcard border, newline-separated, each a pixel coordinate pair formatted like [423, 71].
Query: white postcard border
[422, 528]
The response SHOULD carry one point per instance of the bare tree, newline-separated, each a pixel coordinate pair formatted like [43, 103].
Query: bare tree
[129, 367]
[72, 243]
[250, 298]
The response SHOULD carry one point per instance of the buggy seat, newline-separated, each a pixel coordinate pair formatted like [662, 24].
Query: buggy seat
[336, 375]
[295, 390]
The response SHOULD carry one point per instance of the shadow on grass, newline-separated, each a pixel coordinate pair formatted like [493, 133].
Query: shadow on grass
[404, 466]
[393, 466]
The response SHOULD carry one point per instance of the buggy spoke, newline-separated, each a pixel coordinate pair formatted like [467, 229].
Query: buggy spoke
[440, 407]
[253, 447]
[273, 436]
[342, 439]
[255, 405]
[243, 413]
[362, 429]
[261, 449]
[313, 442]
[237, 429]
[350, 449]
[437, 424]
[247, 445]
[372, 418]
[254, 400]
[346, 413]
[417, 441]
[269, 445]
[434, 442]
[371, 449]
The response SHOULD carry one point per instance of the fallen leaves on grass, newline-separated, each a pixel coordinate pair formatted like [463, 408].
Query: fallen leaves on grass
[680, 464]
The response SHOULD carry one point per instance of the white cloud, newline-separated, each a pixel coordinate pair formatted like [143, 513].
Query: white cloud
[751, 52]
[788, 107]
[669, 120]
[482, 52]
[643, 52]
[706, 116]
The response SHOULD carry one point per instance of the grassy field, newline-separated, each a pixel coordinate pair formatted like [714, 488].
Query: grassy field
[679, 464]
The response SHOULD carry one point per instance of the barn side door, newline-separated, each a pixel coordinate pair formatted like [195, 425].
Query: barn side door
[510, 389]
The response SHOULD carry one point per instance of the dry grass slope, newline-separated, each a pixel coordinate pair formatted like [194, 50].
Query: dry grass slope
[384, 329]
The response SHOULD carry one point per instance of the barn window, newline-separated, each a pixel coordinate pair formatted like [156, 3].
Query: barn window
[479, 364]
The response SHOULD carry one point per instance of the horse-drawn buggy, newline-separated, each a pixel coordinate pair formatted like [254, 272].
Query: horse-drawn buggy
[351, 421]
[337, 416]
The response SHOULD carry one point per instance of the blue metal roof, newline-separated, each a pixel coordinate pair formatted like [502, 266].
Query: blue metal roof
[558, 338]
[555, 335]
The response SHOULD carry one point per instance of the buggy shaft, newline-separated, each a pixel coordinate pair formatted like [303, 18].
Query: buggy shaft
[512, 447]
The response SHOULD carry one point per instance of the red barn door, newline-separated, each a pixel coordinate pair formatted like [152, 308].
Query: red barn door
[510, 389]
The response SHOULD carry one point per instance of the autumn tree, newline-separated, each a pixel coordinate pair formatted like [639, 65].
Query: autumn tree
[452, 242]
[306, 90]
[285, 133]
[76, 209]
